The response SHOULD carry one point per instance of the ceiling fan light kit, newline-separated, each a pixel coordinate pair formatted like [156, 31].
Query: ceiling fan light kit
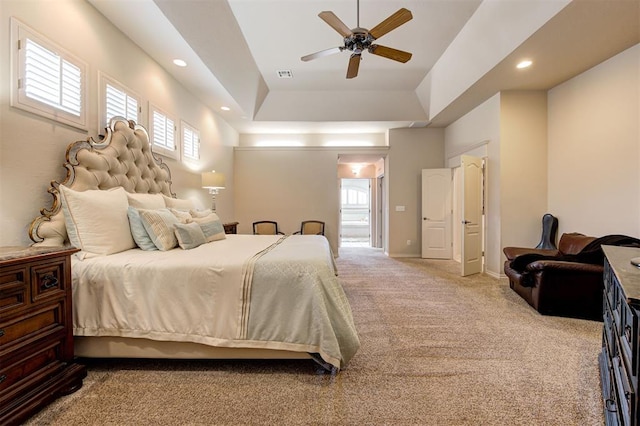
[358, 40]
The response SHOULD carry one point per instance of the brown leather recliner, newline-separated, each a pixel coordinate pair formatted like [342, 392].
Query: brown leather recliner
[556, 286]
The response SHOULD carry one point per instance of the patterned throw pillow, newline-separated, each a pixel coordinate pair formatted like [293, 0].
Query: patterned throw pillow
[211, 227]
[189, 235]
[159, 225]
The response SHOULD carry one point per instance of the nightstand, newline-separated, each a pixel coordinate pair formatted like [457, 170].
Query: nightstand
[36, 336]
[230, 228]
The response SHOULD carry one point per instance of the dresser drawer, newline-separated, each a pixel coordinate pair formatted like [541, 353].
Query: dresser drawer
[13, 288]
[626, 396]
[608, 332]
[33, 367]
[610, 287]
[47, 280]
[29, 326]
[629, 337]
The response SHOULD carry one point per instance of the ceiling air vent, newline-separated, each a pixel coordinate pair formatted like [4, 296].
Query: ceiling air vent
[285, 74]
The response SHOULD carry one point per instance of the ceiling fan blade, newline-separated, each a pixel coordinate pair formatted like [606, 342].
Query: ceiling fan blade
[389, 52]
[354, 64]
[392, 22]
[335, 23]
[322, 53]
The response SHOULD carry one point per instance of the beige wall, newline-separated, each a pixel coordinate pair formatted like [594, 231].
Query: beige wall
[289, 185]
[594, 149]
[32, 148]
[523, 168]
[411, 150]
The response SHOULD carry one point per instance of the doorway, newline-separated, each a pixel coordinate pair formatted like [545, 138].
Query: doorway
[453, 219]
[355, 212]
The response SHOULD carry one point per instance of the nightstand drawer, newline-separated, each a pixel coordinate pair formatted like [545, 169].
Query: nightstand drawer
[26, 327]
[13, 288]
[44, 361]
[47, 280]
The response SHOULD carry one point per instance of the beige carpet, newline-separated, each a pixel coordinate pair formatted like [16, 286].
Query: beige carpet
[437, 349]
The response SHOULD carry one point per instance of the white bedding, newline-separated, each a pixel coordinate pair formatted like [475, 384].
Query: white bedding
[247, 291]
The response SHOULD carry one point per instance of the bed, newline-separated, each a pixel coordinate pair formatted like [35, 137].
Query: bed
[157, 278]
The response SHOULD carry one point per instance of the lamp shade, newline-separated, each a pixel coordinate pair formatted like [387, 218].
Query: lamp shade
[213, 180]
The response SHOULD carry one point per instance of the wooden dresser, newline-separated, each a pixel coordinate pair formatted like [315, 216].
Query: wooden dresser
[36, 339]
[619, 359]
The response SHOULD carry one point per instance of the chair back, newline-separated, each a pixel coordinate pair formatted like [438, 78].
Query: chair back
[312, 227]
[265, 227]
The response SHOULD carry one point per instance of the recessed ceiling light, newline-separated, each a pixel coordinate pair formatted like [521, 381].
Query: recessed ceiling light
[225, 108]
[524, 64]
[180, 62]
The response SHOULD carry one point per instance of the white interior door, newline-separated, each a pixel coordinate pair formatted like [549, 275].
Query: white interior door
[436, 213]
[471, 247]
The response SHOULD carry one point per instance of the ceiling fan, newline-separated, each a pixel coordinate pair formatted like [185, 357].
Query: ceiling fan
[358, 39]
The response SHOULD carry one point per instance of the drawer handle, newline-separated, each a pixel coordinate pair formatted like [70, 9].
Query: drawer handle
[49, 281]
[3, 378]
[1, 333]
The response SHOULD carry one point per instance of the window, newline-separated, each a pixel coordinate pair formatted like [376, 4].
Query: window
[190, 142]
[117, 101]
[163, 133]
[47, 80]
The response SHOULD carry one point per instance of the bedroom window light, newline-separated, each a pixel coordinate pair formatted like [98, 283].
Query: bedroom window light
[46, 79]
[163, 133]
[190, 142]
[117, 101]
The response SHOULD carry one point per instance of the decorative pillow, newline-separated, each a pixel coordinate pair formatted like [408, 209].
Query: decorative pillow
[200, 213]
[138, 232]
[211, 227]
[146, 201]
[189, 235]
[178, 204]
[96, 220]
[159, 226]
[181, 215]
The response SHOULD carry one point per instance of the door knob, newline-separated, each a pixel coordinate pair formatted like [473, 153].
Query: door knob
[464, 222]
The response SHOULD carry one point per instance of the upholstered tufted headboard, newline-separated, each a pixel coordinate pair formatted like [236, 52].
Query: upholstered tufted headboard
[124, 158]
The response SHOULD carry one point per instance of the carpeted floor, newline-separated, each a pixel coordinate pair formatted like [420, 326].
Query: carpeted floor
[437, 349]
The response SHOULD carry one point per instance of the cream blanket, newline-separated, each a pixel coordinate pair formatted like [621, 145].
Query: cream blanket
[248, 291]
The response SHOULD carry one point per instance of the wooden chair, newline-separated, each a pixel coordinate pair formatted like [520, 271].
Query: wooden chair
[311, 227]
[266, 227]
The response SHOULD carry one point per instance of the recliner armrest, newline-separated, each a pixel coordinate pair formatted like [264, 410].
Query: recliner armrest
[513, 252]
[559, 265]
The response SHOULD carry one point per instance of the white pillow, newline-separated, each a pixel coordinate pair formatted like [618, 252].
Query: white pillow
[200, 213]
[146, 201]
[159, 225]
[211, 227]
[97, 220]
[189, 235]
[179, 204]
